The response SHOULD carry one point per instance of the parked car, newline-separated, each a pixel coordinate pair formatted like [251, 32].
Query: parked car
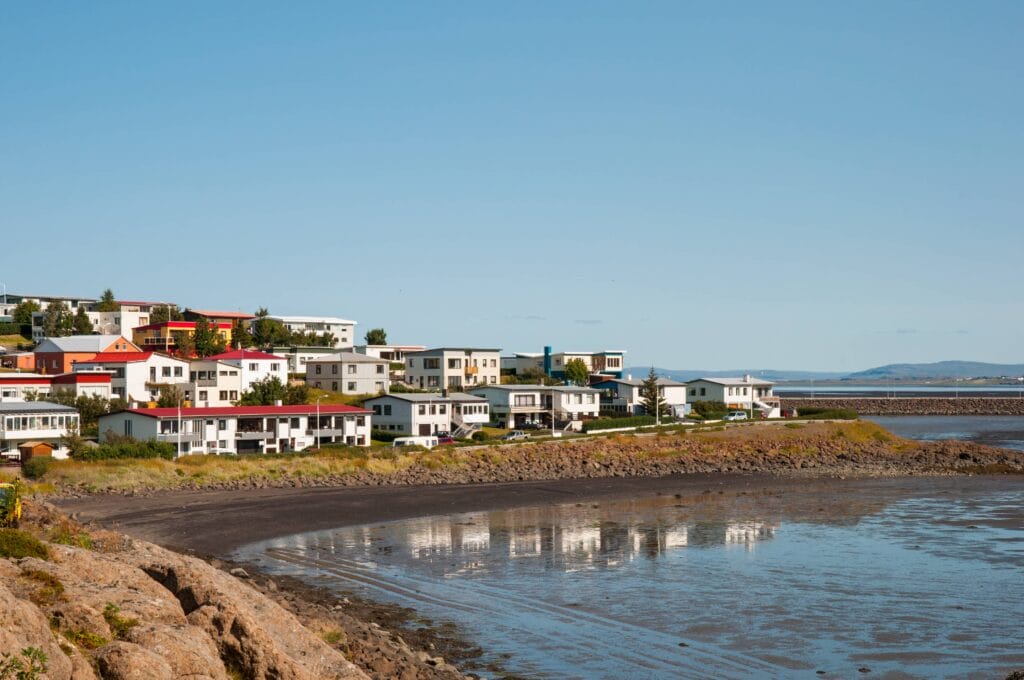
[515, 435]
[736, 415]
[444, 438]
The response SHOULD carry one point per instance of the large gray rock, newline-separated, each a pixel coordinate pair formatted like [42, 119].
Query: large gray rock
[127, 661]
[23, 625]
[188, 650]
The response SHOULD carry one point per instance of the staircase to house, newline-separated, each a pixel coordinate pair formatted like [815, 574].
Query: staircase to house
[462, 429]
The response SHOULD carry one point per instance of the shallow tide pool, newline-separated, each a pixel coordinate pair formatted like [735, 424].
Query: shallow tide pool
[902, 578]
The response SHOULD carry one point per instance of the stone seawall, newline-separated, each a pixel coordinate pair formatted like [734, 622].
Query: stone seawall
[916, 406]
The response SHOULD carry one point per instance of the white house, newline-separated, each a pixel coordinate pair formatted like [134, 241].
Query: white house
[343, 330]
[243, 429]
[213, 383]
[22, 386]
[605, 362]
[516, 406]
[744, 393]
[452, 368]
[523, 362]
[297, 355]
[394, 353]
[19, 386]
[138, 376]
[255, 366]
[622, 396]
[348, 373]
[412, 413]
[22, 422]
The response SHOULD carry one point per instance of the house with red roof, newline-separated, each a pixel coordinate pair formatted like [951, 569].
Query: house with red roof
[243, 429]
[164, 336]
[138, 376]
[23, 386]
[255, 365]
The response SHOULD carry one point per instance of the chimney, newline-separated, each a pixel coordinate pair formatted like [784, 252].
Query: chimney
[747, 378]
[277, 402]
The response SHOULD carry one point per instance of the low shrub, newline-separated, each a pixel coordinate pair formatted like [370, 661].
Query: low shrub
[818, 413]
[119, 625]
[17, 544]
[612, 423]
[36, 467]
[385, 436]
[125, 448]
[85, 639]
[48, 590]
[480, 436]
[709, 410]
[30, 666]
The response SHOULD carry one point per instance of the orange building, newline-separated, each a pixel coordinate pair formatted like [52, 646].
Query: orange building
[59, 355]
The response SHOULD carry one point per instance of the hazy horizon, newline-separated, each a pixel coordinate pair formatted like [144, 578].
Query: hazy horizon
[820, 186]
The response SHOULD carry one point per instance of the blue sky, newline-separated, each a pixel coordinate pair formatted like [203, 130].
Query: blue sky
[817, 185]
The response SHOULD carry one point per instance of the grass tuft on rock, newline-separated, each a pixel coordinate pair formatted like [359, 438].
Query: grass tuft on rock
[119, 625]
[16, 544]
[48, 588]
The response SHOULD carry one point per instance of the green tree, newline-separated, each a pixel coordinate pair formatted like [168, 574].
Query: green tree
[170, 396]
[376, 336]
[81, 323]
[165, 313]
[576, 372]
[107, 302]
[650, 396]
[267, 332]
[270, 390]
[23, 312]
[240, 335]
[184, 345]
[206, 339]
[57, 320]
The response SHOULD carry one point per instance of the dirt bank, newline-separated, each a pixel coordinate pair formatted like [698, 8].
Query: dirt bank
[915, 406]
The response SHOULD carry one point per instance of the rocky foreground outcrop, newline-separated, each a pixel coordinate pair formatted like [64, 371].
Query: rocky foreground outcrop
[124, 609]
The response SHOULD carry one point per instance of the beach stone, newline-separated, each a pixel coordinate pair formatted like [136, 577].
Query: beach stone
[188, 650]
[22, 625]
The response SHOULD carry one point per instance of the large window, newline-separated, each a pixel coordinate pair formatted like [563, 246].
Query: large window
[525, 400]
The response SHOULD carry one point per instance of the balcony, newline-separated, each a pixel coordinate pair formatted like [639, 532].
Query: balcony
[255, 434]
[172, 437]
[206, 383]
[330, 432]
[472, 370]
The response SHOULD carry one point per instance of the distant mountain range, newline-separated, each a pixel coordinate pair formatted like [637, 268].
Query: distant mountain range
[934, 371]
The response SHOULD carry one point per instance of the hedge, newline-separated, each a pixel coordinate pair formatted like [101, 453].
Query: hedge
[819, 413]
[128, 449]
[613, 423]
[385, 436]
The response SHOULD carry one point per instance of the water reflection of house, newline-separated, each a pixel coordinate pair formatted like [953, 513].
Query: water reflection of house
[748, 533]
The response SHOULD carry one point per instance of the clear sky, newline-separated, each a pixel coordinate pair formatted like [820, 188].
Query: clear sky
[818, 185]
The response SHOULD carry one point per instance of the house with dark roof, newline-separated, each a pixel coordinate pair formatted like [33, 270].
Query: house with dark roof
[60, 355]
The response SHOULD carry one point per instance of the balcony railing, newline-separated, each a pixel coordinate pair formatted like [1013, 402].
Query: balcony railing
[257, 434]
[472, 370]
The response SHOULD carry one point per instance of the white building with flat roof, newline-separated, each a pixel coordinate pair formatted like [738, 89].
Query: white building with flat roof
[519, 406]
[622, 396]
[453, 368]
[255, 366]
[41, 421]
[744, 393]
[348, 373]
[413, 413]
[343, 330]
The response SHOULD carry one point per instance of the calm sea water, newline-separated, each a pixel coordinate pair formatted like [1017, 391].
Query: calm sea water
[918, 578]
[896, 390]
[1004, 431]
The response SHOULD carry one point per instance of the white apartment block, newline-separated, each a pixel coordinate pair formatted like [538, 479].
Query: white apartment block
[518, 406]
[622, 396]
[255, 366]
[213, 383]
[35, 421]
[348, 373]
[452, 368]
[244, 429]
[299, 356]
[343, 330]
[425, 414]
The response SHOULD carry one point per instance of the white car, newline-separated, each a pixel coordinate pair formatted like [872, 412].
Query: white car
[736, 415]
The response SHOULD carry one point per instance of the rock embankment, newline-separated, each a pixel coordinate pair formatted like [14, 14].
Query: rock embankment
[125, 609]
[915, 406]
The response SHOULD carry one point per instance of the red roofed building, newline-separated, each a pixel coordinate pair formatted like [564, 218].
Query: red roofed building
[20, 386]
[138, 376]
[255, 365]
[243, 429]
[164, 336]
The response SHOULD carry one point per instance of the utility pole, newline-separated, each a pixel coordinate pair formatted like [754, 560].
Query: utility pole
[179, 427]
[318, 421]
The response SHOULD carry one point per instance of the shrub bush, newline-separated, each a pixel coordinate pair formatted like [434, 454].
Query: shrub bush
[481, 436]
[612, 423]
[711, 410]
[17, 544]
[36, 466]
[818, 413]
[123, 448]
[385, 436]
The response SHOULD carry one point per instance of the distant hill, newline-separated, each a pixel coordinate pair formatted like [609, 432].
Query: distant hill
[775, 375]
[940, 369]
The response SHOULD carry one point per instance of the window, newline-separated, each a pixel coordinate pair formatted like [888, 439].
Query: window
[432, 364]
[351, 387]
[202, 395]
[223, 395]
[295, 423]
[376, 409]
[222, 444]
[361, 422]
[455, 363]
[334, 369]
[442, 409]
[177, 371]
[703, 391]
[422, 409]
[318, 369]
[234, 395]
[433, 381]
[454, 381]
[693, 392]
[387, 409]
[411, 363]
[351, 369]
[275, 367]
[127, 428]
[222, 424]
[524, 400]
[334, 386]
[380, 368]
[494, 380]
[254, 367]
[166, 371]
[379, 386]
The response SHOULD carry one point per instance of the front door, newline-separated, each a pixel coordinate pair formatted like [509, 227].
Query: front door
[424, 430]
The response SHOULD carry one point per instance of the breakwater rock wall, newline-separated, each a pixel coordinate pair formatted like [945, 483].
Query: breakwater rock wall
[915, 406]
